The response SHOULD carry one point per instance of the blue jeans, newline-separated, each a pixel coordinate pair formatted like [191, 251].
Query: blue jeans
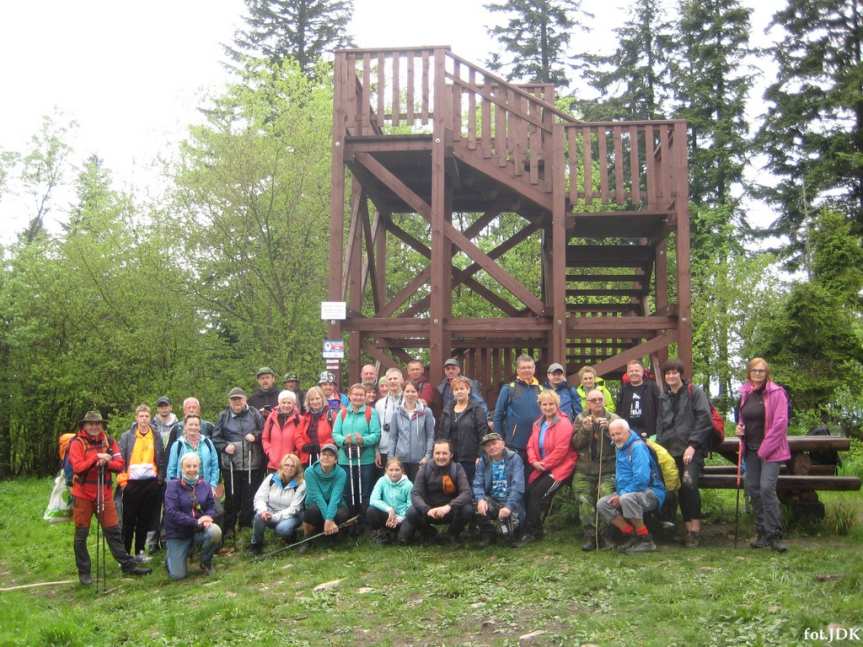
[283, 527]
[177, 550]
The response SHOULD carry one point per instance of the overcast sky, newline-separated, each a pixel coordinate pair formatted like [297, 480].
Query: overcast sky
[131, 74]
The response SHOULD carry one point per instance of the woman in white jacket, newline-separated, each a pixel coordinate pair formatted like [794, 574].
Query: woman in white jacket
[279, 502]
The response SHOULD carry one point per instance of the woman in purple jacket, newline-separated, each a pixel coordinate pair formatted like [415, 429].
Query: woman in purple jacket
[189, 511]
[763, 433]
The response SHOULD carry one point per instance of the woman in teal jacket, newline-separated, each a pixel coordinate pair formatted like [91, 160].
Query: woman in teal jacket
[357, 432]
[390, 501]
[193, 442]
[325, 488]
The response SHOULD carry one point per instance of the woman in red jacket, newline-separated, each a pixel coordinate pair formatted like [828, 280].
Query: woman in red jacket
[315, 428]
[279, 430]
[552, 458]
[763, 433]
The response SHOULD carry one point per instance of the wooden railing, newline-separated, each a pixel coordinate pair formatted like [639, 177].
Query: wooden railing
[402, 91]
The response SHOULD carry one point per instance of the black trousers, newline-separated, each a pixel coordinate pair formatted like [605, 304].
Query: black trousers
[457, 519]
[315, 517]
[142, 501]
[240, 496]
[488, 522]
[688, 496]
[536, 501]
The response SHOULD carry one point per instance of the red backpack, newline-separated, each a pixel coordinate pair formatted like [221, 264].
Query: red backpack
[344, 411]
[716, 422]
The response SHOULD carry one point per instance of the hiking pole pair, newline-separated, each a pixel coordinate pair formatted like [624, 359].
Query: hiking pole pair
[598, 486]
[350, 454]
[737, 486]
[345, 524]
[101, 552]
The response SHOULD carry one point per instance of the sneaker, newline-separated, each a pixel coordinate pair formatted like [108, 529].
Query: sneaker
[631, 541]
[777, 544]
[137, 570]
[85, 579]
[759, 542]
[692, 540]
[641, 545]
[142, 558]
[207, 568]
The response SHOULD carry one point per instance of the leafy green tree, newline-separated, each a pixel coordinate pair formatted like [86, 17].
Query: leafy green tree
[250, 212]
[534, 38]
[634, 81]
[812, 134]
[303, 30]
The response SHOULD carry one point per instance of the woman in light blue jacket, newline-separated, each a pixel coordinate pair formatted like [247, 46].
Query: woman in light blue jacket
[391, 498]
[412, 429]
[192, 442]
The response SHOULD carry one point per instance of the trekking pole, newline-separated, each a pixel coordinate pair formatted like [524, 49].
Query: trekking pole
[350, 471]
[101, 568]
[360, 474]
[343, 525]
[598, 486]
[737, 506]
[249, 461]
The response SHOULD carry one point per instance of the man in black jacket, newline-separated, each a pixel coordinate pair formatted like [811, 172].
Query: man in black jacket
[638, 400]
[441, 494]
[266, 397]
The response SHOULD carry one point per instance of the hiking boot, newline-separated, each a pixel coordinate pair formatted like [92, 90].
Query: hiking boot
[255, 549]
[631, 541]
[641, 545]
[85, 579]
[207, 568]
[142, 558]
[589, 541]
[759, 542]
[778, 545]
[137, 570]
[692, 540]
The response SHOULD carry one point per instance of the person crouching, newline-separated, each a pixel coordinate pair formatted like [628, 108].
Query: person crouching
[498, 489]
[638, 489]
[189, 511]
[279, 502]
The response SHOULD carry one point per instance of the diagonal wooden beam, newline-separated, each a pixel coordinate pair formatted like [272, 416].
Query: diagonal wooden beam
[350, 253]
[405, 293]
[369, 265]
[385, 360]
[636, 352]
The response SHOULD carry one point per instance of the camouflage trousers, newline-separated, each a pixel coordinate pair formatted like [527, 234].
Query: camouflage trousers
[584, 492]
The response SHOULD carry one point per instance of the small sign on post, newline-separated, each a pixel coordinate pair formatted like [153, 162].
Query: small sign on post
[334, 310]
[334, 349]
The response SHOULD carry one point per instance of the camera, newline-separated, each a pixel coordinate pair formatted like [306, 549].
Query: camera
[386, 427]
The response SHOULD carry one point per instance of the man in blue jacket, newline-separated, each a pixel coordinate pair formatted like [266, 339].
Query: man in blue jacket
[498, 490]
[570, 402]
[517, 407]
[638, 488]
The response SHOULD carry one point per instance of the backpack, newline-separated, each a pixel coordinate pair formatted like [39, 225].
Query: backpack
[716, 423]
[68, 473]
[667, 467]
[344, 412]
[785, 388]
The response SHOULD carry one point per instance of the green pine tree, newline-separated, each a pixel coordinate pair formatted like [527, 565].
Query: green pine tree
[813, 130]
[300, 29]
[534, 38]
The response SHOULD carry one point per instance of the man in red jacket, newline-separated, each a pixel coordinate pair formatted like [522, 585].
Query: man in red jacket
[90, 451]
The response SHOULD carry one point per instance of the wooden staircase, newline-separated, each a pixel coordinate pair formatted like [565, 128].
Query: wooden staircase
[426, 132]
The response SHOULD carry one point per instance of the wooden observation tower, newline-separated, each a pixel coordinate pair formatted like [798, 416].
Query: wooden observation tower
[422, 133]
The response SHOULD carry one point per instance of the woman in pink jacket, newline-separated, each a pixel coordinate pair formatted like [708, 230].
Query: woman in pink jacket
[763, 432]
[552, 458]
[279, 430]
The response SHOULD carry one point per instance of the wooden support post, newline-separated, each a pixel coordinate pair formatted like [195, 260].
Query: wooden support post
[337, 193]
[681, 211]
[440, 268]
[557, 342]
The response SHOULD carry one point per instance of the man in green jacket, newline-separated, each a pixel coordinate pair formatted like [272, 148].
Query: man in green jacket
[357, 432]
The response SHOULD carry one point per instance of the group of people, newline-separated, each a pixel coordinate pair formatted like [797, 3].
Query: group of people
[399, 456]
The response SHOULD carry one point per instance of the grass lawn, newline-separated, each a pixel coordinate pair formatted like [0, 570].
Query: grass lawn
[714, 595]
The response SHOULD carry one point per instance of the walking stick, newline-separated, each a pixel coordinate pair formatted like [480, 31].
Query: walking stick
[101, 567]
[360, 476]
[596, 502]
[248, 462]
[350, 471]
[343, 525]
[737, 506]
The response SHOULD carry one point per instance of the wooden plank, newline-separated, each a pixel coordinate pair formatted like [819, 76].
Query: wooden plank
[518, 131]
[436, 215]
[681, 207]
[337, 195]
[491, 169]
[557, 338]
[617, 134]
[486, 125]
[410, 98]
[500, 125]
[526, 327]
[352, 108]
[604, 292]
[664, 189]
[572, 148]
[351, 262]
[650, 163]
[636, 352]
[380, 242]
[602, 307]
[385, 360]
[499, 302]
[621, 326]
[370, 265]
[660, 266]
[393, 145]
[608, 255]
[397, 97]
[786, 482]
[587, 166]
[382, 84]
[634, 167]
[798, 443]
[602, 154]
[606, 278]
[471, 112]
[425, 89]
[456, 124]
[535, 143]
[366, 107]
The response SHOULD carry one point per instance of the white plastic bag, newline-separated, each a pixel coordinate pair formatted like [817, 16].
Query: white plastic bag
[60, 503]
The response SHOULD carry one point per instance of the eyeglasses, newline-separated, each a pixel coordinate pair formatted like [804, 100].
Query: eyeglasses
[596, 399]
[757, 370]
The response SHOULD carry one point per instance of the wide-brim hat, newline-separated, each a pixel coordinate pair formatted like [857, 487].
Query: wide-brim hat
[93, 416]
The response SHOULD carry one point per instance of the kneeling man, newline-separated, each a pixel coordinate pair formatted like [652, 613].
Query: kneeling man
[498, 490]
[638, 488]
